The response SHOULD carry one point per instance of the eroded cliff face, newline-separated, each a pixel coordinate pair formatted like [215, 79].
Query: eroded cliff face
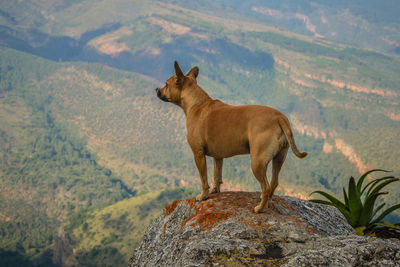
[224, 230]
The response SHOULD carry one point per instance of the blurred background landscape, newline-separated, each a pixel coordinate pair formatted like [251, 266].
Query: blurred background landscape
[89, 155]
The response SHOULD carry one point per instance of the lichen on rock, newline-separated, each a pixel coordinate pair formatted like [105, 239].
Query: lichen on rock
[224, 231]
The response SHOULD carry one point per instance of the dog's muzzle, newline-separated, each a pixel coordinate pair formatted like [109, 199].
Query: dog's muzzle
[160, 95]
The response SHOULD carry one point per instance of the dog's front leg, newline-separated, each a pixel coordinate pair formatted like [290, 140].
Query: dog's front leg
[201, 164]
[217, 175]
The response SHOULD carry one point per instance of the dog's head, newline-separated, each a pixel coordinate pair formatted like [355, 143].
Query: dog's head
[174, 86]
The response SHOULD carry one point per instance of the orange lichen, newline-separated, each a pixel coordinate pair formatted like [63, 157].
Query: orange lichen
[309, 229]
[239, 205]
[165, 228]
[168, 210]
[208, 213]
[171, 207]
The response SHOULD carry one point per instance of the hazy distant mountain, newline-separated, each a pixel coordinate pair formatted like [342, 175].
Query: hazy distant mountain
[369, 24]
[82, 132]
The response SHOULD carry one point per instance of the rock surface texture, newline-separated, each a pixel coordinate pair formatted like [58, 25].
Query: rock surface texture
[224, 231]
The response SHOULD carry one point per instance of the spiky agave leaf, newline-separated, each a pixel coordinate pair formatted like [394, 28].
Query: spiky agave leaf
[371, 196]
[381, 185]
[331, 198]
[378, 209]
[346, 199]
[367, 213]
[360, 212]
[355, 204]
[375, 182]
[362, 177]
[386, 212]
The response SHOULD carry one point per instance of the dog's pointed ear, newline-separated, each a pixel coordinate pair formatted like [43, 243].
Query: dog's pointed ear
[178, 72]
[194, 72]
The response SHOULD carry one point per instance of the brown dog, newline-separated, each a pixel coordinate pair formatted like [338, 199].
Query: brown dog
[221, 131]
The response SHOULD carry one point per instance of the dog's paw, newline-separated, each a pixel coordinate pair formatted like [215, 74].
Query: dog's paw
[202, 197]
[258, 209]
[214, 190]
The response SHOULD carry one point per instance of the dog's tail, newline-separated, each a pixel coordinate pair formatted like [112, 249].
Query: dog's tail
[285, 126]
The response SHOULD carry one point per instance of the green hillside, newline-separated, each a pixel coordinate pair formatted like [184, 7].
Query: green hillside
[108, 236]
[87, 149]
[46, 171]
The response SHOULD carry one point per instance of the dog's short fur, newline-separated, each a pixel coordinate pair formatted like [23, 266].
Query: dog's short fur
[221, 131]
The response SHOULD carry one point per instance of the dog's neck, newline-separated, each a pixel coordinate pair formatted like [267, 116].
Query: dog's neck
[193, 97]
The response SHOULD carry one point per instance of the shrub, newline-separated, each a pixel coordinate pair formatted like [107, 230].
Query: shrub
[359, 203]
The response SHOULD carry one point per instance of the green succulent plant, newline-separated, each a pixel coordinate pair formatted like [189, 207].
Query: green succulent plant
[359, 203]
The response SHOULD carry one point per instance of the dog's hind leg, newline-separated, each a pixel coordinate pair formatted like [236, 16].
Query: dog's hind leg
[277, 163]
[217, 175]
[201, 164]
[262, 150]
[259, 168]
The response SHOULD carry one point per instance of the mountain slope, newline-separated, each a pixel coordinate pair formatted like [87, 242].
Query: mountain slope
[108, 236]
[46, 171]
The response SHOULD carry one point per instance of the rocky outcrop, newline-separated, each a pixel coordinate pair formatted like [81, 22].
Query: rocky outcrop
[224, 231]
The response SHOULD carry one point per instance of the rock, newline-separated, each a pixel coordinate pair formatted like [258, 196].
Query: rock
[224, 230]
